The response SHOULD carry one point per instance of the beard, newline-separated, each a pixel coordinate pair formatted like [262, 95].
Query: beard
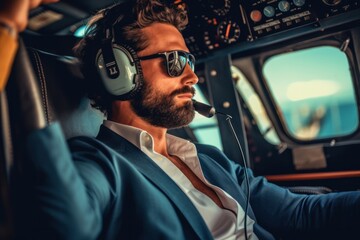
[160, 109]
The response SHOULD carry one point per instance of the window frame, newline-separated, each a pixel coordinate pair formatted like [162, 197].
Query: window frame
[334, 40]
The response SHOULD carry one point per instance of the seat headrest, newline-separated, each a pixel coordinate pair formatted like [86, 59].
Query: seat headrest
[63, 98]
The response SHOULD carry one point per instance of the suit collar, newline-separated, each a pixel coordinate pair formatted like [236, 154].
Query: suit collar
[158, 177]
[215, 174]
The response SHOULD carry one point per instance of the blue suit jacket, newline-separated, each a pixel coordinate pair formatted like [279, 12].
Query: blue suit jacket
[114, 191]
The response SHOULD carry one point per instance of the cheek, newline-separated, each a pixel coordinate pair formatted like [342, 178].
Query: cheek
[154, 77]
[34, 3]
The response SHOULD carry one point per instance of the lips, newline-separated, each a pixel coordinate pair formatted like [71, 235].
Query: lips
[185, 95]
[184, 91]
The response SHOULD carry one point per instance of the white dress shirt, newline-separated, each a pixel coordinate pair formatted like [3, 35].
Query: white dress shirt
[223, 223]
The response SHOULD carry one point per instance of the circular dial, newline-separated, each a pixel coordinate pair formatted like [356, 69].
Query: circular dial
[331, 2]
[229, 31]
[211, 38]
[220, 7]
[284, 6]
[299, 3]
[256, 15]
[269, 11]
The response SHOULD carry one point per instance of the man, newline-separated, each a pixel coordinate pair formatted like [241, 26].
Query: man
[133, 181]
[147, 184]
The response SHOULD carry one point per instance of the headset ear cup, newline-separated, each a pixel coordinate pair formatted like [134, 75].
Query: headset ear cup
[130, 78]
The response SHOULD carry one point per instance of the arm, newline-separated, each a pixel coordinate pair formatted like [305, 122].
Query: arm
[13, 19]
[63, 200]
[300, 216]
[8, 46]
[285, 213]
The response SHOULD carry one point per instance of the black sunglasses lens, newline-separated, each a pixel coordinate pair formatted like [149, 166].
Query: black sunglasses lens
[177, 62]
[191, 62]
[175, 65]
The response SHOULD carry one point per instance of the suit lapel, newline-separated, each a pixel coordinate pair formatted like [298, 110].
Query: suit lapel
[158, 177]
[215, 174]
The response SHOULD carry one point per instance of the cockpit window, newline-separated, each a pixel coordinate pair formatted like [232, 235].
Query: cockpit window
[314, 91]
[205, 129]
[255, 106]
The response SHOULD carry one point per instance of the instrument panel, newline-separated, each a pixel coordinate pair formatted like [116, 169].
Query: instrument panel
[214, 25]
[267, 17]
[220, 24]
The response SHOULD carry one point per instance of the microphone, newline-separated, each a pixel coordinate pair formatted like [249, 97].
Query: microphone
[209, 111]
[204, 109]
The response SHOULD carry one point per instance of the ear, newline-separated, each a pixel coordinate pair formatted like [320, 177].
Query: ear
[120, 71]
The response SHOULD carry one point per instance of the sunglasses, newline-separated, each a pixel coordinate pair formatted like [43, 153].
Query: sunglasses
[175, 61]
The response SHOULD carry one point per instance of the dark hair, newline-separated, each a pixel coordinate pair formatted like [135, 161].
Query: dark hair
[128, 20]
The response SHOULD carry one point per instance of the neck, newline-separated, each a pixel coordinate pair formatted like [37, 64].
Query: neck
[122, 113]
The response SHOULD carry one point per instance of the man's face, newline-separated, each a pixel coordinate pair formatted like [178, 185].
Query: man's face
[164, 101]
[159, 109]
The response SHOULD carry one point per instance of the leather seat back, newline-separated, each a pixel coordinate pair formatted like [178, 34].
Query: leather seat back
[60, 84]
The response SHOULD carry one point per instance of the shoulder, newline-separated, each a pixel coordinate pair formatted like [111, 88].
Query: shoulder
[208, 149]
[89, 145]
[212, 155]
[84, 141]
[90, 151]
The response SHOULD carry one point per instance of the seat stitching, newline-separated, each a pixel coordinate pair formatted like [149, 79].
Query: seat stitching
[43, 85]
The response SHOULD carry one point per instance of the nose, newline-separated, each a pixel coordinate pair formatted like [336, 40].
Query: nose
[190, 77]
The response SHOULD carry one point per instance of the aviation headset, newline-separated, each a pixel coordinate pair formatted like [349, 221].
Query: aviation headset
[118, 64]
